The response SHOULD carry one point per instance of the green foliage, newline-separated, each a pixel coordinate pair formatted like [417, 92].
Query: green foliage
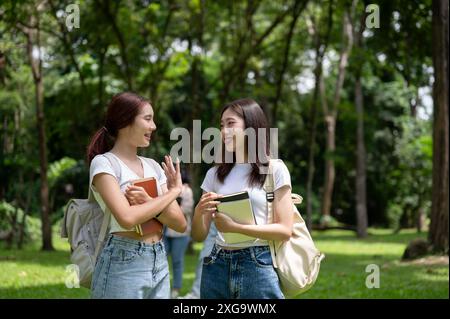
[57, 169]
[192, 57]
[12, 215]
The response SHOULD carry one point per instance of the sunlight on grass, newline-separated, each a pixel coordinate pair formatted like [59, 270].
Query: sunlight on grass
[31, 273]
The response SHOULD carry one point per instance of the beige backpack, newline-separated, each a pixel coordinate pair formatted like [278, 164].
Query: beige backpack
[297, 260]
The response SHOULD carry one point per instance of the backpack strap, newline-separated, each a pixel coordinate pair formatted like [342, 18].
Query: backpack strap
[114, 163]
[270, 196]
[107, 218]
[116, 169]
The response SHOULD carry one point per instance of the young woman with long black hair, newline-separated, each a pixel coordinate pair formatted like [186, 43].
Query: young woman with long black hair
[243, 270]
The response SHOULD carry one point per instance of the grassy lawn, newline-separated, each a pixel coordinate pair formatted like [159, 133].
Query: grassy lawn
[33, 274]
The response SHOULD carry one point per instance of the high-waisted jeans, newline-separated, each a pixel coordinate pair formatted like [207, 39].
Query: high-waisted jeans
[130, 269]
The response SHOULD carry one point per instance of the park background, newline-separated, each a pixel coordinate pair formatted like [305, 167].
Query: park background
[357, 89]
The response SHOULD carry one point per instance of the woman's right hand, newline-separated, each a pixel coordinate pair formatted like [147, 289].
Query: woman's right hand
[207, 203]
[136, 195]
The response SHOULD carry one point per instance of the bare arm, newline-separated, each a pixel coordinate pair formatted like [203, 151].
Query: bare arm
[281, 227]
[172, 216]
[126, 215]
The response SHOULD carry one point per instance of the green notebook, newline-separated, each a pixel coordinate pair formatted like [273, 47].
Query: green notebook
[239, 208]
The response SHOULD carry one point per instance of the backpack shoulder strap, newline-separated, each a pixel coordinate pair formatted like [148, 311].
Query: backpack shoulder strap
[116, 169]
[114, 164]
[270, 195]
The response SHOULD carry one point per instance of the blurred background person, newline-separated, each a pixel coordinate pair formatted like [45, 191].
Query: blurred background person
[176, 243]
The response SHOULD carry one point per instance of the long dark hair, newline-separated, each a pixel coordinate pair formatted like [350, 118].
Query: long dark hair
[254, 117]
[122, 110]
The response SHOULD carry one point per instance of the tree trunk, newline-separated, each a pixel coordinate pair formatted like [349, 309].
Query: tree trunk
[360, 181]
[361, 205]
[33, 41]
[438, 235]
[420, 219]
[331, 116]
[312, 144]
[330, 173]
[321, 48]
[198, 24]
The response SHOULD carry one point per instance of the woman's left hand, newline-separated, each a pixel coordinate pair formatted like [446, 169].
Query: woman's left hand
[136, 195]
[224, 223]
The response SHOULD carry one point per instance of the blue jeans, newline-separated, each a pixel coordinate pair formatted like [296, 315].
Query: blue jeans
[130, 269]
[208, 245]
[245, 273]
[176, 246]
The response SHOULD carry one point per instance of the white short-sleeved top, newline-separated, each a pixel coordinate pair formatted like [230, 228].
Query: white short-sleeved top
[237, 181]
[100, 164]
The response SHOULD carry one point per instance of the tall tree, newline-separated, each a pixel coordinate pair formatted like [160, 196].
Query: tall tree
[438, 235]
[331, 113]
[360, 182]
[32, 31]
[320, 44]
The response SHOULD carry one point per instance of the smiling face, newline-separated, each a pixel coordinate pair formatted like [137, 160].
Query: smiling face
[139, 133]
[232, 128]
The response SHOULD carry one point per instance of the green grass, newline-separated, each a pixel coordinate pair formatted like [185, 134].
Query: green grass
[31, 273]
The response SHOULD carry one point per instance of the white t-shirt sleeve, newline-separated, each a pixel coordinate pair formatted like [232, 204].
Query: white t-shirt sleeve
[208, 182]
[100, 164]
[162, 179]
[281, 175]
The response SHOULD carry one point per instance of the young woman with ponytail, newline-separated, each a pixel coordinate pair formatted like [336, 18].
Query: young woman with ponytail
[130, 265]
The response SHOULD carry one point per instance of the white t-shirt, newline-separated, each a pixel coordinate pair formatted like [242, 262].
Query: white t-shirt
[100, 164]
[237, 181]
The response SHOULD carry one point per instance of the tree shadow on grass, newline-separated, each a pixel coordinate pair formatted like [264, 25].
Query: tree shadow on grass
[344, 276]
[400, 238]
[340, 276]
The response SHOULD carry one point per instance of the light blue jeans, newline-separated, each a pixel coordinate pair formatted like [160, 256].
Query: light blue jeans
[246, 273]
[176, 247]
[130, 269]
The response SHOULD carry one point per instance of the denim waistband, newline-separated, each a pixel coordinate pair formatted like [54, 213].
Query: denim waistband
[135, 244]
[219, 251]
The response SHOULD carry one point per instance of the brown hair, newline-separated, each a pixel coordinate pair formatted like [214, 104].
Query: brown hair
[122, 110]
[254, 117]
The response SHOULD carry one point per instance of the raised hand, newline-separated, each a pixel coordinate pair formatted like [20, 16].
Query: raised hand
[173, 174]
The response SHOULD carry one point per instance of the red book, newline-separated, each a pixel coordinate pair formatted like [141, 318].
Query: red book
[153, 225]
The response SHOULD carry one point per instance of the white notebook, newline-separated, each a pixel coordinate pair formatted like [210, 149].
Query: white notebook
[239, 208]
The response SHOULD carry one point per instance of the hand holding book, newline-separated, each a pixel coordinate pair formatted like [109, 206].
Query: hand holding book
[135, 194]
[234, 209]
[224, 223]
